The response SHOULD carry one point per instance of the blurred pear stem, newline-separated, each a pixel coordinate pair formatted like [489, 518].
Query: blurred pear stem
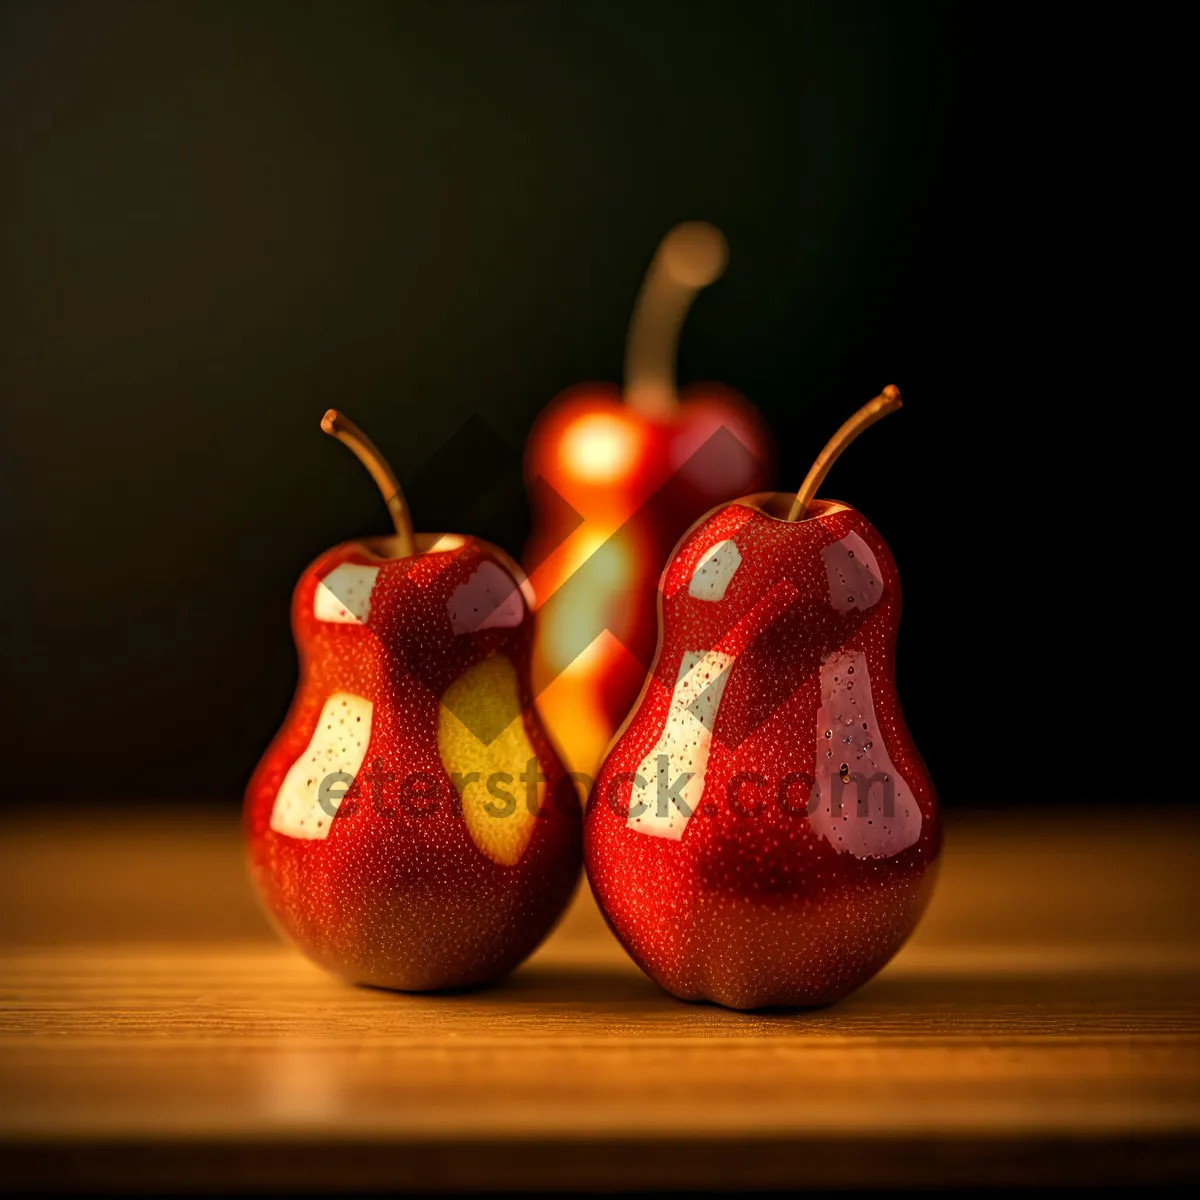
[688, 259]
[887, 401]
[338, 425]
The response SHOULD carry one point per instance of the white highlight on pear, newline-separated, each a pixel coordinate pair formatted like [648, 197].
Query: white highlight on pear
[489, 599]
[343, 597]
[338, 746]
[682, 748]
[714, 571]
[852, 570]
[874, 815]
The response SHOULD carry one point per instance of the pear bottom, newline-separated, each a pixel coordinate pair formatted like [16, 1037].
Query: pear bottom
[745, 954]
[432, 943]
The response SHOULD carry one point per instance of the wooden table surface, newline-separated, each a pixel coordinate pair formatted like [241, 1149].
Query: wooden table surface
[1044, 1024]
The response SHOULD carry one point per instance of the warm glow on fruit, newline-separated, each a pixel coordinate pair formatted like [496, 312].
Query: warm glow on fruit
[610, 558]
[600, 447]
[583, 725]
[647, 460]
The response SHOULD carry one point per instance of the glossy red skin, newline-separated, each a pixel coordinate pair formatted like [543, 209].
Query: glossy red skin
[653, 528]
[406, 901]
[752, 908]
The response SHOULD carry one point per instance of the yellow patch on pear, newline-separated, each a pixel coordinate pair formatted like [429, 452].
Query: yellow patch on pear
[487, 697]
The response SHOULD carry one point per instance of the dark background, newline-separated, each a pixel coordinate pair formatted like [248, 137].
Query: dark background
[219, 219]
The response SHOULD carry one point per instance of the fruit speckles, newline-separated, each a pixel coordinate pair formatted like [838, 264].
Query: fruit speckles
[864, 808]
[343, 597]
[853, 574]
[337, 748]
[490, 599]
[399, 894]
[682, 750]
[495, 801]
[714, 571]
[757, 902]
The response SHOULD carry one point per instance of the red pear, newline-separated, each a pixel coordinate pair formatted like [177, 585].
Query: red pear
[763, 830]
[411, 826]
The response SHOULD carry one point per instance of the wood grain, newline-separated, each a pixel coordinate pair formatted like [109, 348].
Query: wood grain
[1043, 1025]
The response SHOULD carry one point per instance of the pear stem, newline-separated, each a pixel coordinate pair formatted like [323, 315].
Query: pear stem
[887, 401]
[689, 258]
[341, 427]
